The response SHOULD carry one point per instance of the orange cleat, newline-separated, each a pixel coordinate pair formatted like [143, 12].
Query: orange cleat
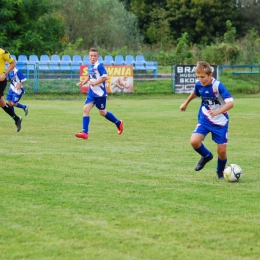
[120, 127]
[82, 135]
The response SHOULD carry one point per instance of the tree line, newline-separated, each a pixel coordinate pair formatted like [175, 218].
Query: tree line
[164, 28]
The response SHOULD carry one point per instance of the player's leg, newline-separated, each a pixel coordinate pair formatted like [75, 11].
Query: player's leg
[101, 105]
[89, 103]
[222, 160]
[196, 142]
[220, 137]
[8, 109]
[16, 99]
[9, 98]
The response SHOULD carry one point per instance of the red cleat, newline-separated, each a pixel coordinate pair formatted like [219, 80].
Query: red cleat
[82, 135]
[120, 127]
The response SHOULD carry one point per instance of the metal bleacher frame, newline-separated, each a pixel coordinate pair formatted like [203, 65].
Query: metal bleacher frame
[234, 73]
[249, 70]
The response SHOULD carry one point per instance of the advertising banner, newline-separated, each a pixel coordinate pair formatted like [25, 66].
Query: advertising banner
[120, 79]
[185, 78]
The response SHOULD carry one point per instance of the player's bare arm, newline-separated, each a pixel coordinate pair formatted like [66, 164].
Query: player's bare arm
[221, 110]
[81, 83]
[9, 68]
[19, 85]
[185, 104]
[98, 81]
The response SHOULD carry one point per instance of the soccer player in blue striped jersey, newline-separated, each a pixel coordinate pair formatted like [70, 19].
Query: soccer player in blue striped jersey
[97, 95]
[212, 117]
[16, 89]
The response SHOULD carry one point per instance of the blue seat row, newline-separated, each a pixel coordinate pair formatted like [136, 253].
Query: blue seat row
[68, 63]
[108, 59]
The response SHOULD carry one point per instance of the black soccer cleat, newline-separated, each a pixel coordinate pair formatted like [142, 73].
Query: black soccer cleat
[26, 110]
[18, 123]
[220, 175]
[201, 163]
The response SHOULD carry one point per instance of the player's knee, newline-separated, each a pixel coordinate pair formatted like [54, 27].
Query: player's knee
[222, 152]
[102, 112]
[195, 143]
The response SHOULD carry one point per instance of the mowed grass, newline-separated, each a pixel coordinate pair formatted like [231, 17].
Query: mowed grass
[134, 196]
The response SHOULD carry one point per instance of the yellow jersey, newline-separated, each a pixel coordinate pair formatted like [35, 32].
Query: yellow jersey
[4, 57]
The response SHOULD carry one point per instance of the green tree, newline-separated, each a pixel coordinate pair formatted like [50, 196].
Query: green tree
[250, 10]
[104, 23]
[230, 34]
[159, 29]
[31, 26]
[150, 20]
[203, 20]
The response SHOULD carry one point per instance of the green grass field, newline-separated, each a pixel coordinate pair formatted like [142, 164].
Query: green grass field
[128, 197]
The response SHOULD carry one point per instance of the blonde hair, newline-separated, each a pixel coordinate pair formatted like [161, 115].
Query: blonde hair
[93, 50]
[203, 66]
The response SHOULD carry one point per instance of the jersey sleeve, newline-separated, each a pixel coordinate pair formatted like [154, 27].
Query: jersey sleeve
[20, 75]
[226, 96]
[196, 89]
[7, 57]
[102, 71]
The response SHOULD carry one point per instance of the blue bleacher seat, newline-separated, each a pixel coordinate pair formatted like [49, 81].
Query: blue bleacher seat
[22, 58]
[75, 65]
[22, 66]
[55, 58]
[151, 65]
[54, 65]
[64, 65]
[43, 65]
[77, 58]
[129, 60]
[34, 58]
[14, 57]
[100, 59]
[86, 60]
[45, 58]
[33, 62]
[140, 58]
[32, 65]
[139, 65]
[108, 60]
[119, 60]
[66, 57]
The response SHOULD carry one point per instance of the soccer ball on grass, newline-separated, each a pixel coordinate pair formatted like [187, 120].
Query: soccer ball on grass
[233, 173]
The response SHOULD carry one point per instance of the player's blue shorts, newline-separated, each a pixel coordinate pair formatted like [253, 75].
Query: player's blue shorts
[219, 134]
[14, 97]
[99, 102]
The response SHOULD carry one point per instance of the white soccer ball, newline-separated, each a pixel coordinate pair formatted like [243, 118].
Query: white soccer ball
[233, 173]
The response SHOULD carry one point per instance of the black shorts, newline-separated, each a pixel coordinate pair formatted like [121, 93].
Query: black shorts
[2, 87]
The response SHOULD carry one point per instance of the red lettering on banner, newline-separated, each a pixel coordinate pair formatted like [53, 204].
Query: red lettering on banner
[116, 75]
[119, 71]
[85, 71]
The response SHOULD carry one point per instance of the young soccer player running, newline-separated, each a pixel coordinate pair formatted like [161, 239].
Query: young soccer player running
[212, 117]
[97, 95]
[16, 89]
[6, 57]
